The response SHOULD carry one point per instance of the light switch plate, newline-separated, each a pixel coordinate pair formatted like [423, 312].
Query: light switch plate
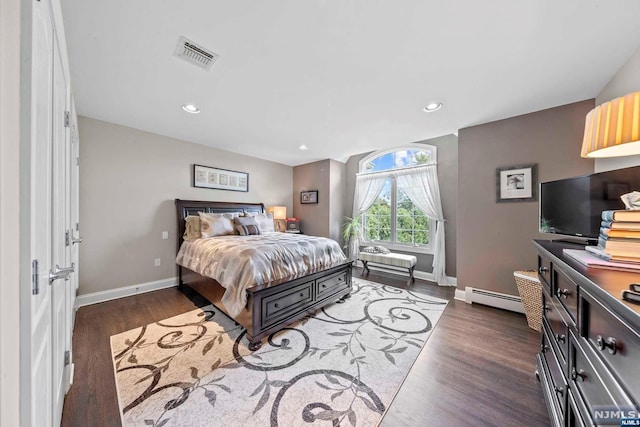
[165, 235]
[157, 262]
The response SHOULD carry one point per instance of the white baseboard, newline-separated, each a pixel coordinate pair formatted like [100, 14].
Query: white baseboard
[126, 291]
[490, 298]
[418, 274]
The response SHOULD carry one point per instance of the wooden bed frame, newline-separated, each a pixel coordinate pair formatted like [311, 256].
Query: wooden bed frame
[271, 306]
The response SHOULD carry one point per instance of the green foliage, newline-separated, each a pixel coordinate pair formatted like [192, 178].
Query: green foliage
[352, 227]
[412, 226]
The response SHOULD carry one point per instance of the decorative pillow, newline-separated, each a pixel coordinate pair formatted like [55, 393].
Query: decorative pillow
[376, 250]
[382, 250]
[265, 222]
[192, 228]
[246, 226]
[215, 224]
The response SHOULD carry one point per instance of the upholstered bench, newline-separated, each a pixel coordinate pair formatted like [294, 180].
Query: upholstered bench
[390, 259]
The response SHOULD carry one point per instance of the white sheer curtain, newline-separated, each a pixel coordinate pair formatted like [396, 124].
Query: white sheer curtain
[368, 187]
[421, 185]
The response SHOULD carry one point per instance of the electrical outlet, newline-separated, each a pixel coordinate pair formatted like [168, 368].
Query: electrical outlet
[157, 262]
[165, 235]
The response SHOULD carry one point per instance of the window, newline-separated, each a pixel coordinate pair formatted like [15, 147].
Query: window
[392, 219]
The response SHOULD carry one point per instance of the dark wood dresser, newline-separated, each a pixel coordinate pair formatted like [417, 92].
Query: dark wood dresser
[589, 360]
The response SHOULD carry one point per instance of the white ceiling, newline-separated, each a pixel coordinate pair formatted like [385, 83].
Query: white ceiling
[340, 76]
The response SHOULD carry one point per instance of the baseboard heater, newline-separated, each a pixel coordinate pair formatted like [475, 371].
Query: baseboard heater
[494, 299]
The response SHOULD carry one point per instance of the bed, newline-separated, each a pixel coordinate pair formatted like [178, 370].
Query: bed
[271, 305]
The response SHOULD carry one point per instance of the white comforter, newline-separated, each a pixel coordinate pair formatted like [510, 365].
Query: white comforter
[240, 262]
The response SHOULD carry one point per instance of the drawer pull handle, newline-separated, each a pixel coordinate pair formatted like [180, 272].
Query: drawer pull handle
[301, 295]
[340, 279]
[577, 375]
[559, 390]
[560, 338]
[543, 270]
[564, 293]
[609, 343]
[324, 286]
[276, 305]
[546, 308]
[543, 348]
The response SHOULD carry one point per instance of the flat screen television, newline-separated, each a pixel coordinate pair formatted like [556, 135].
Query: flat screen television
[573, 206]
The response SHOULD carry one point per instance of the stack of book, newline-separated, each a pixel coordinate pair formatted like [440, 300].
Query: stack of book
[619, 238]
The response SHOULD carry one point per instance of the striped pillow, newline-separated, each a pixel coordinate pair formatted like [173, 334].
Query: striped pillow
[246, 226]
[248, 230]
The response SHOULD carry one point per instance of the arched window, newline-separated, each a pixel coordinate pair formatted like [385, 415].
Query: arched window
[393, 220]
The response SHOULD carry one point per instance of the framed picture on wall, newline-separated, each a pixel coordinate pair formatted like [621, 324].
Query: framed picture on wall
[309, 197]
[517, 183]
[220, 179]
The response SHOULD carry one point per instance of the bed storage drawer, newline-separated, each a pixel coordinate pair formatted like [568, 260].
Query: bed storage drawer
[282, 304]
[328, 286]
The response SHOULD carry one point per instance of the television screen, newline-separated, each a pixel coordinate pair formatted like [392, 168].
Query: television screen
[573, 206]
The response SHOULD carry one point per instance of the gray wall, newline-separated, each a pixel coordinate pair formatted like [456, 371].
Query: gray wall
[324, 218]
[626, 80]
[448, 178]
[495, 238]
[128, 182]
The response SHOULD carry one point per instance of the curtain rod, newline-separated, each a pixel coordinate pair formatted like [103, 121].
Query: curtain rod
[391, 171]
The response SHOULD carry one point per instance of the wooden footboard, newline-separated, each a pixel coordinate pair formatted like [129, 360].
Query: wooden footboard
[273, 306]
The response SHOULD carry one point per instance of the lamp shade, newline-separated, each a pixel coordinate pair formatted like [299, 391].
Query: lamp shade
[612, 129]
[279, 212]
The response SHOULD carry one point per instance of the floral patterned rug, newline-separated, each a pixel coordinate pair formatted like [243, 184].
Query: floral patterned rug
[342, 365]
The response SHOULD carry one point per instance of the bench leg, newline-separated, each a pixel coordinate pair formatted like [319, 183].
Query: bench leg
[412, 279]
[365, 268]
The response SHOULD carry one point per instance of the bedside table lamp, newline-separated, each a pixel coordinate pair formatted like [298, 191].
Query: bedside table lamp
[612, 129]
[279, 214]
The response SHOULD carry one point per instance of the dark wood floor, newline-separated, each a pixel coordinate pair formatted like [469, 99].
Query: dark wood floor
[477, 368]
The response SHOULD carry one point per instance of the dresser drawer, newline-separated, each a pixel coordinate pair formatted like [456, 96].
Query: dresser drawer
[282, 304]
[558, 387]
[591, 380]
[544, 272]
[616, 344]
[558, 328]
[330, 285]
[567, 292]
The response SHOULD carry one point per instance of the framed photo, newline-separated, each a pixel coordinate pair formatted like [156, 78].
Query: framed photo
[309, 197]
[220, 179]
[517, 183]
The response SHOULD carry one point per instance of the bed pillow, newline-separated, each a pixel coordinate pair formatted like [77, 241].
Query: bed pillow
[192, 228]
[246, 226]
[265, 222]
[215, 224]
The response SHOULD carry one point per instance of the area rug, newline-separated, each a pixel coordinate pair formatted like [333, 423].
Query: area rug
[340, 366]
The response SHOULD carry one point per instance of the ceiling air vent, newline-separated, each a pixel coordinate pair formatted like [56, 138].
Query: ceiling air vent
[197, 55]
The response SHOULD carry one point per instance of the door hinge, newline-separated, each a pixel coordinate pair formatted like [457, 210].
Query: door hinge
[77, 161]
[35, 277]
[66, 238]
[67, 119]
[77, 226]
[67, 357]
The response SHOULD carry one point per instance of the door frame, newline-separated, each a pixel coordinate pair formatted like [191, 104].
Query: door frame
[14, 207]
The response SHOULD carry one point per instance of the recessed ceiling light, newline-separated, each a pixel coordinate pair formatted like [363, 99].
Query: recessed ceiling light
[434, 106]
[303, 147]
[190, 108]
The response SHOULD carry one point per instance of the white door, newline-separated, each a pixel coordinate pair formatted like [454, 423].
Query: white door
[60, 238]
[41, 210]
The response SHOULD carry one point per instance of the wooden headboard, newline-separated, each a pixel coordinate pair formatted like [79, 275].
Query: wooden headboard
[185, 208]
